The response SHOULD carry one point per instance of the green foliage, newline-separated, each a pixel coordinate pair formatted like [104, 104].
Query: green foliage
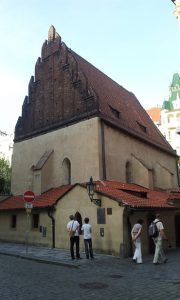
[5, 176]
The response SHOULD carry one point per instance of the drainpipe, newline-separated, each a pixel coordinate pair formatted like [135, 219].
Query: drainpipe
[50, 215]
[103, 152]
[177, 168]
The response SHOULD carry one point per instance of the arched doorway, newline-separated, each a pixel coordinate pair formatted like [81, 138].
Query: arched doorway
[79, 219]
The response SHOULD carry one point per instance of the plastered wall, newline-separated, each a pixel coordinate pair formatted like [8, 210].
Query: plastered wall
[79, 143]
[120, 149]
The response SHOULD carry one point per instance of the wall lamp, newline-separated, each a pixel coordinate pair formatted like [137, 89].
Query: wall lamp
[91, 187]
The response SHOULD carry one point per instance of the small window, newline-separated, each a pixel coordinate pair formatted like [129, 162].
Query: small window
[35, 221]
[13, 221]
[115, 112]
[101, 219]
[109, 211]
[142, 127]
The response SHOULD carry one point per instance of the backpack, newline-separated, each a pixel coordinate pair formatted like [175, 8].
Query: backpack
[152, 229]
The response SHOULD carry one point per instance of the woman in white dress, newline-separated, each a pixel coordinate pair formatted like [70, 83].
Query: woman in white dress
[136, 238]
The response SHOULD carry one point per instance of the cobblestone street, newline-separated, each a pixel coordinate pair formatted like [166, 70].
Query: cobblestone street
[105, 277]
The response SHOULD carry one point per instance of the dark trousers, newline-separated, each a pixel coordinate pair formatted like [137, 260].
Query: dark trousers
[88, 248]
[74, 240]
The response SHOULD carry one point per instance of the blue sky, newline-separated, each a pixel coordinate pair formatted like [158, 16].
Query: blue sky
[135, 42]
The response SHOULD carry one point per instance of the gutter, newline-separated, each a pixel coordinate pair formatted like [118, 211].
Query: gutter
[50, 211]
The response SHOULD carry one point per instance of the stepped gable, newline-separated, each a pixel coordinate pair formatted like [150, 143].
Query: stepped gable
[66, 89]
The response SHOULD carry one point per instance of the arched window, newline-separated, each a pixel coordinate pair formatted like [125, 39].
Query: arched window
[66, 166]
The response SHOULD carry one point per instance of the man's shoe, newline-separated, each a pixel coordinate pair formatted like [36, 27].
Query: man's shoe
[165, 261]
[156, 264]
[78, 257]
[134, 260]
[72, 258]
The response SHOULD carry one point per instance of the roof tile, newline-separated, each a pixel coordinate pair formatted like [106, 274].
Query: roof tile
[132, 195]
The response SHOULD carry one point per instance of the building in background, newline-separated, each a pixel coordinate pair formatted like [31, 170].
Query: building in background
[167, 119]
[170, 115]
[6, 146]
[155, 115]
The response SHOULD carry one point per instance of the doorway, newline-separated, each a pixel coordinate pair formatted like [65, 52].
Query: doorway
[177, 230]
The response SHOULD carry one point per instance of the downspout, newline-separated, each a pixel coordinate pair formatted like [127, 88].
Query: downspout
[103, 152]
[177, 168]
[50, 215]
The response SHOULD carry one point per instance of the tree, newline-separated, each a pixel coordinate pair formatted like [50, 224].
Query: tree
[5, 176]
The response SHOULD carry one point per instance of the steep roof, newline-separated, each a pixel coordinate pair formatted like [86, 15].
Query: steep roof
[131, 195]
[120, 107]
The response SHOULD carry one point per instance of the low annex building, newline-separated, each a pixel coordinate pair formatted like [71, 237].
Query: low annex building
[121, 205]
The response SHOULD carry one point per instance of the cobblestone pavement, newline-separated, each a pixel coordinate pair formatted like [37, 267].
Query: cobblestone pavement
[56, 277]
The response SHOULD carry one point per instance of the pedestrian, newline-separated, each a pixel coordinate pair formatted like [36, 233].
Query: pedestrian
[73, 230]
[159, 255]
[87, 232]
[136, 238]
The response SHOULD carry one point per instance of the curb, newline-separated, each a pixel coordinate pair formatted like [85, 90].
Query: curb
[39, 260]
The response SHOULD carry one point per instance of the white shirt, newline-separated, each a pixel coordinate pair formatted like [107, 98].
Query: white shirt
[73, 225]
[135, 230]
[159, 225]
[87, 229]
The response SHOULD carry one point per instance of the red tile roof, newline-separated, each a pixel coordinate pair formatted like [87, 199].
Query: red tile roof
[131, 195]
[154, 113]
[48, 198]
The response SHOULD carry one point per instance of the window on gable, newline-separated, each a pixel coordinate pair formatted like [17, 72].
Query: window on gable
[13, 221]
[66, 171]
[35, 221]
[115, 112]
[142, 127]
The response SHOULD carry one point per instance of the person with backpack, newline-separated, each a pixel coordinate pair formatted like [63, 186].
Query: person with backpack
[159, 255]
[136, 238]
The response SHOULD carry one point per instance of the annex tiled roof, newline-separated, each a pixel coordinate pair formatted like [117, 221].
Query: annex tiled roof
[121, 107]
[48, 198]
[135, 196]
[131, 195]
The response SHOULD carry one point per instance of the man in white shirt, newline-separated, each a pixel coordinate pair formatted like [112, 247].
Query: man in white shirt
[73, 229]
[158, 241]
[87, 232]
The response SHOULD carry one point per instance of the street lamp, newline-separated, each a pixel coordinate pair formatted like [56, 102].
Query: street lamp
[91, 187]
